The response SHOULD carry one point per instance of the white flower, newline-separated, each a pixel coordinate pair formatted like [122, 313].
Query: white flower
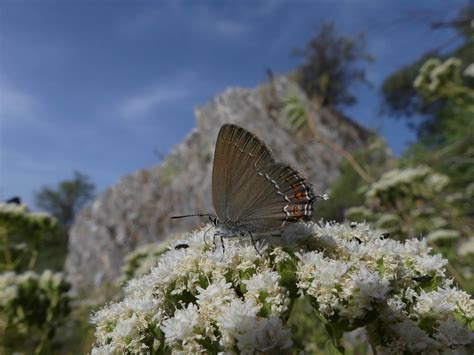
[427, 264]
[237, 314]
[397, 177]
[467, 247]
[202, 298]
[434, 303]
[8, 294]
[469, 71]
[127, 327]
[443, 234]
[181, 325]
[415, 339]
[214, 297]
[370, 284]
[106, 349]
[265, 335]
[444, 301]
[262, 282]
[267, 284]
[453, 334]
[323, 271]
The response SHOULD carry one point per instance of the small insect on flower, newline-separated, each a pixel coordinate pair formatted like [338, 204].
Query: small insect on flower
[181, 246]
[422, 278]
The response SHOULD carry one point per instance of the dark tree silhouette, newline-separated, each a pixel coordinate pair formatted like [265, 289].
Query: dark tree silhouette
[67, 198]
[331, 65]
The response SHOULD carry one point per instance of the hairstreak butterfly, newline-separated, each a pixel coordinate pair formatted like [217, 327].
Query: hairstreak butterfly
[251, 192]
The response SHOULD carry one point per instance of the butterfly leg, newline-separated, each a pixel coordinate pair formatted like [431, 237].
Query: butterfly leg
[214, 246]
[222, 243]
[223, 246]
[253, 243]
[205, 236]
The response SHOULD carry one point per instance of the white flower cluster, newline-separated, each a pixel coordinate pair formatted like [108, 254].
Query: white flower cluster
[355, 269]
[431, 322]
[11, 283]
[443, 235]
[16, 209]
[402, 179]
[357, 277]
[433, 72]
[13, 207]
[201, 300]
[467, 247]
[469, 71]
[32, 301]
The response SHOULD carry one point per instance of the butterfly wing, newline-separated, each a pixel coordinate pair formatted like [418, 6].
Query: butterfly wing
[237, 152]
[250, 189]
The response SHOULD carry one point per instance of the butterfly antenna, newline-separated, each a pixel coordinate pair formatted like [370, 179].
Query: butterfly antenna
[324, 197]
[194, 215]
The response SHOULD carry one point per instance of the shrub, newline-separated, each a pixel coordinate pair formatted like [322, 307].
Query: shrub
[203, 299]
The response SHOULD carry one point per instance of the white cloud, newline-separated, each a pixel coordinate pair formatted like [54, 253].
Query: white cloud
[148, 101]
[225, 27]
[193, 17]
[16, 105]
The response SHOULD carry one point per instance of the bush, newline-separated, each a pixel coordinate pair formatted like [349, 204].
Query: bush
[32, 305]
[201, 299]
[32, 308]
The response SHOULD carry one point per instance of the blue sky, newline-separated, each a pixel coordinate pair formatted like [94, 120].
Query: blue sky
[102, 86]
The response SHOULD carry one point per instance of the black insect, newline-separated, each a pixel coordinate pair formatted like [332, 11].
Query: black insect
[422, 278]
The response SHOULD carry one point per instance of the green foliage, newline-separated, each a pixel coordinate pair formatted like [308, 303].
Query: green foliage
[32, 308]
[348, 189]
[32, 305]
[296, 112]
[76, 335]
[442, 82]
[401, 98]
[405, 202]
[330, 66]
[303, 119]
[415, 202]
[436, 201]
[310, 334]
[24, 236]
[67, 198]
[449, 148]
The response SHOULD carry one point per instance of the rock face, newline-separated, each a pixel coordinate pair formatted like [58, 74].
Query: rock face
[138, 208]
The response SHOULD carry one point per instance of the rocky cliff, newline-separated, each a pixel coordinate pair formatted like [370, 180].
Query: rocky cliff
[137, 209]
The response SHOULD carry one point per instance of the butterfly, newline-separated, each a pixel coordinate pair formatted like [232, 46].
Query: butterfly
[251, 192]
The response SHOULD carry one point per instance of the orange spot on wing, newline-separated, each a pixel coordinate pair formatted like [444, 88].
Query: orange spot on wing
[299, 195]
[297, 212]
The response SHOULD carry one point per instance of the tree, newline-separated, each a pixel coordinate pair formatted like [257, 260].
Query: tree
[67, 199]
[330, 66]
[402, 99]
